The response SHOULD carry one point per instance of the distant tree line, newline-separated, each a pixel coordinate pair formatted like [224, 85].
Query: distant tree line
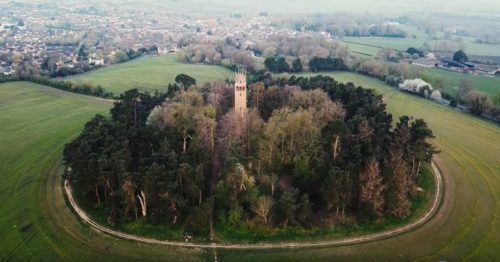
[229, 53]
[467, 95]
[316, 64]
[130, 54]
[85, 89]
[319, 64]
[280, 65]
[415, 51]
[309, 149]
[340, 27]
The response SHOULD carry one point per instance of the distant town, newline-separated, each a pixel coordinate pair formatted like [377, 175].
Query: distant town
[70, 38]
[83, 37]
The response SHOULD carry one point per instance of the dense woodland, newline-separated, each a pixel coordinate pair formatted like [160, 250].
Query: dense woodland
[310, 152]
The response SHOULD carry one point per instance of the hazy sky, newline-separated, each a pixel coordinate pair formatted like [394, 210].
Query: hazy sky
[313, 6]
[359, 6]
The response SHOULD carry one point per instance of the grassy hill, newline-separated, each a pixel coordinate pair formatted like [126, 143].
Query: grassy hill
[149, 73]
[36, 224]
[466, 227]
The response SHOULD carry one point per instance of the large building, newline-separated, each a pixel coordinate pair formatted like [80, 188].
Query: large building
[240, 92]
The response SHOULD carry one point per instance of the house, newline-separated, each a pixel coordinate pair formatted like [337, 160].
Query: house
[486, 69]
[93, 60]
[425, 62]
[453, 63]
[60, 62]
[8, 71]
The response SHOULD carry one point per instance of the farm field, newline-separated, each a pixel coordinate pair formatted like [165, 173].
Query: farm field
[466, 227]
[37, 121]
[487, 84]
[36, 224]
[148, 73]
[416, 38]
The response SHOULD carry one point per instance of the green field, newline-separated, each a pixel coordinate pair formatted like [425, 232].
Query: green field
[416, 38]
[36, 224]
[466, 227]
[149, 73]
[487, 84]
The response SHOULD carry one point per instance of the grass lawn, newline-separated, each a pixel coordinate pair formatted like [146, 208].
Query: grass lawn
[35, 222]
[487, 84]
[149, 73]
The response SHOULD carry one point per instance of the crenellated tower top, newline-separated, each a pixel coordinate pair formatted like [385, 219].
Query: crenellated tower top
[240, 92]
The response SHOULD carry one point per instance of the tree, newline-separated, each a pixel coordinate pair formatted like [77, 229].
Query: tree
[129, 196]
[372, 68]
[413, 51]
[478, 102]
[120, 57]
[282, 65]
[269, 52]
[421, 150]
[372, 188]
[239, 137]
[399, 203]
[288, 205]
[399, 181]
[185, 80]
[257, 94]
[332, 135]
[23, 65]
[460, 57]
[304, 210]
[270, 64]
[179, 115]
[318, 64]
[466, 85]
[420, 87]
[83, 53]
[290, 137]
[276, 65]
[297, 65]
[184, 156]
[390, 55]
[263, 207]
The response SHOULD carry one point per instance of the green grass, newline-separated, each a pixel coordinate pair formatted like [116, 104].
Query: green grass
[466, 227]
[372, 45]
[149, 73]
[487, 84]
[35, 222]
[36, 121]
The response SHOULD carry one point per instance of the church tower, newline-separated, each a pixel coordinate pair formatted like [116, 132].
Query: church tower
[240, 92]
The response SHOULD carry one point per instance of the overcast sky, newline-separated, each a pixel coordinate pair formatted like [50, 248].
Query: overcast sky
[359, 6]
[392, 7]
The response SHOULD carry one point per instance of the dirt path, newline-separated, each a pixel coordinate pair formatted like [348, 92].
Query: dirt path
[340, 242]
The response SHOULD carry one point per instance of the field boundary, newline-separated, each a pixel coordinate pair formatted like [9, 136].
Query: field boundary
[341, 242]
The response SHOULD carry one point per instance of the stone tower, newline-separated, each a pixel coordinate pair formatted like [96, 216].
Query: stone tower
[240, 92]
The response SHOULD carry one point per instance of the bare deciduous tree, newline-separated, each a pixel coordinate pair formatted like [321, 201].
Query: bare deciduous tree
[263, 208]
[372, 188]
